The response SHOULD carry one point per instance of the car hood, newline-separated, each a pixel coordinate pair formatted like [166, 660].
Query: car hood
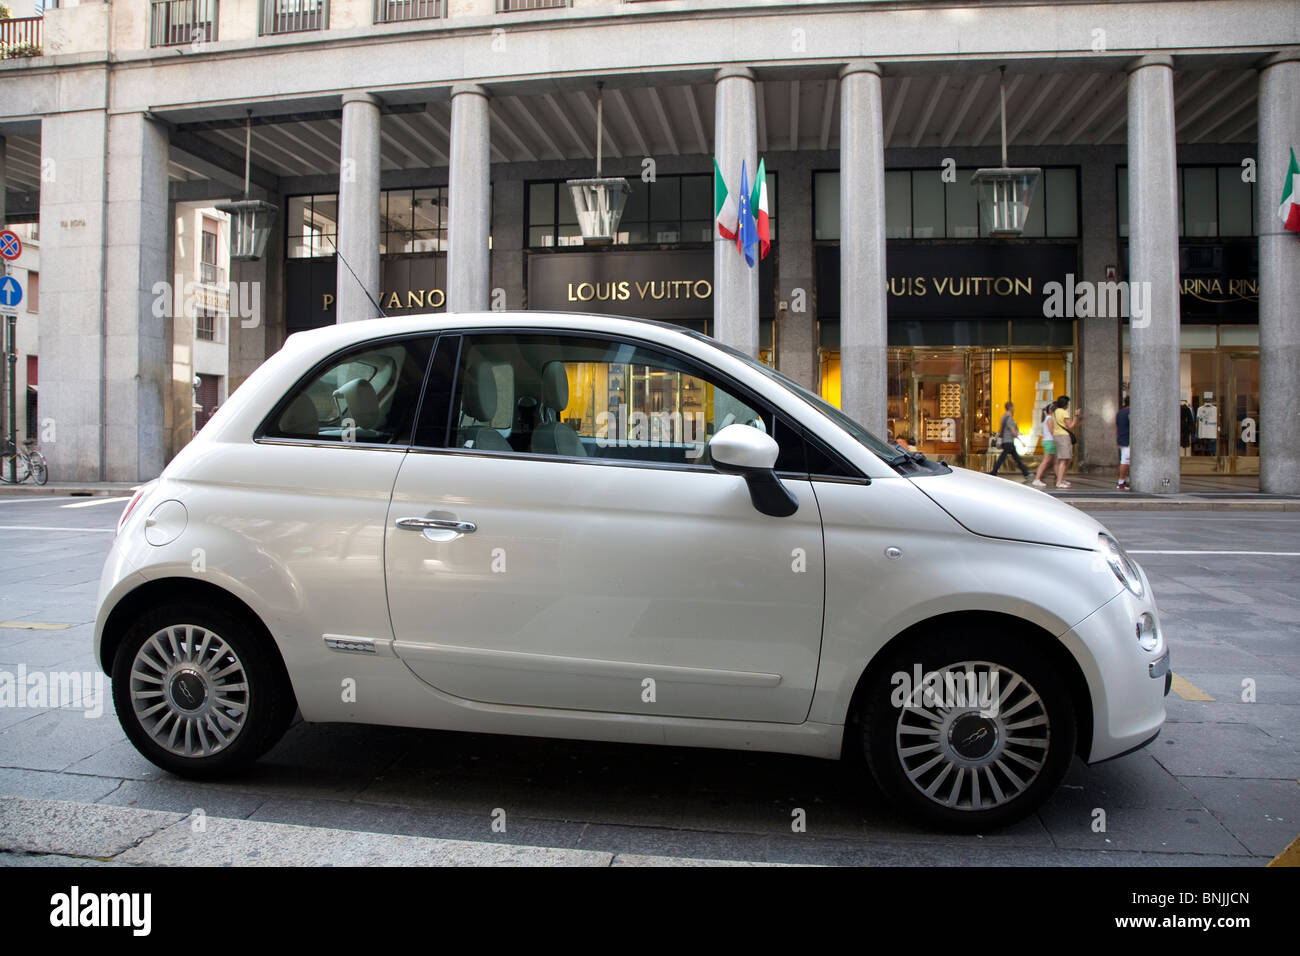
[998, 508]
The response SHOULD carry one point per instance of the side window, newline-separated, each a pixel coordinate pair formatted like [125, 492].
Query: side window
[367, 396]
[586, 397]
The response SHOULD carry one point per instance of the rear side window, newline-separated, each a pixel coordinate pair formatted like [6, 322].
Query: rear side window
[368, 395]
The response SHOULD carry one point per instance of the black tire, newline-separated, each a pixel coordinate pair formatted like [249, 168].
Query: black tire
[1002, 761]
[188, 660]
[40, 471]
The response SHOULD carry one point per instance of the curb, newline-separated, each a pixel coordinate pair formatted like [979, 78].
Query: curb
[108, 489]
[56, 832]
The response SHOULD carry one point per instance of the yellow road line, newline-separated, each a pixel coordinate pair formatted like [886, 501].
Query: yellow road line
[35, 625]
[1187, 690]
[1288, 857]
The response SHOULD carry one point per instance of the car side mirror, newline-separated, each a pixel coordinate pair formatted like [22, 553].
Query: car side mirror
[746, 451]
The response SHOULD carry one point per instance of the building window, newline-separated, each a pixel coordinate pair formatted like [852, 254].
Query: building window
[514, 6]
[33, 292]
[313, 226]
[410, 220]
[669, 211]
[413, 220]
[396, 11]
[1213, 202]
[920, 205]
[208, 271]
[205, 325]
[294, 16]
[178, 22]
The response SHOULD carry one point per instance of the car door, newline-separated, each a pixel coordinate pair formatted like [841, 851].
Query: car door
[558, 539]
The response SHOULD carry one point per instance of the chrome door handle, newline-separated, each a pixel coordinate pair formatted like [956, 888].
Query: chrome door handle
[437, 524]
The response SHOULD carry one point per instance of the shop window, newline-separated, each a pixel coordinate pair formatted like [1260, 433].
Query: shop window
[1213, 201]
[962, 202]
[413, 220]
[1200, 202]
[670, 210]
[898, 205]
[1060, 192]
[312, 226]
[920, 205]
[927, 205]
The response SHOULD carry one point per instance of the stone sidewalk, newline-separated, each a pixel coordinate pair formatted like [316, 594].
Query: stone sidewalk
[60, 833]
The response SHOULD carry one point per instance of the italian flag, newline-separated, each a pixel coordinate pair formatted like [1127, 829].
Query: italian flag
[1289, 210]
[726, 209]
[758, 203]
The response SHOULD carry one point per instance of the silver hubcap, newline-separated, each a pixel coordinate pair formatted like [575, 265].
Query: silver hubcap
[974, 738]
[189, 691]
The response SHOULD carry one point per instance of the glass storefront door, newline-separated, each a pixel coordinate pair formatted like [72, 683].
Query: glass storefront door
[1242, 428]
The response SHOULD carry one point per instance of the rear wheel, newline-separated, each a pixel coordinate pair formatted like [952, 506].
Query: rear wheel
[40, 471]
[983, 739]
[199, 691]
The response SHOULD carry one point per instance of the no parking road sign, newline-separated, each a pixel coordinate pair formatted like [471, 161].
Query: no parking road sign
[11, 247]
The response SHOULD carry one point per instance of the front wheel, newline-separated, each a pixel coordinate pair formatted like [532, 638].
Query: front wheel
[199, 691]
[968, 733]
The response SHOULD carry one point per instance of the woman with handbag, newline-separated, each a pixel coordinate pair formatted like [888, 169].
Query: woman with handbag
[1063, 434]
[1045, 426]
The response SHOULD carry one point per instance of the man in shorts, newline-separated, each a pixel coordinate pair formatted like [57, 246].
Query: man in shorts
[1122, 439]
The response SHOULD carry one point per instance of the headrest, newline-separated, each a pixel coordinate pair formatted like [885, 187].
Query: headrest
[555, 386]
[360, 403]
[300, 417]
[481, 392]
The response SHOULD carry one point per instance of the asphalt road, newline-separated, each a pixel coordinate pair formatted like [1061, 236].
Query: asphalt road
[1219, 786]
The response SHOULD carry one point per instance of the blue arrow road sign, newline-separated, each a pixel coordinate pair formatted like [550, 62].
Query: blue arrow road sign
[11, 293]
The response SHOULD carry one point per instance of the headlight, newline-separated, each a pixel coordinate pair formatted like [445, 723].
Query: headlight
[1121, 564]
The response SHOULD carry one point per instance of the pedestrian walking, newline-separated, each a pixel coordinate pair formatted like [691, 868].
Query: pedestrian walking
[1049, 444]
[1008, 432]
[1122, 439]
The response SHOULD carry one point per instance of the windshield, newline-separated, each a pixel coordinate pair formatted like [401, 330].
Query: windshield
[890, 453]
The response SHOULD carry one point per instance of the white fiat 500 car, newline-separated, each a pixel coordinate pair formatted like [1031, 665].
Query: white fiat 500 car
[590, 527]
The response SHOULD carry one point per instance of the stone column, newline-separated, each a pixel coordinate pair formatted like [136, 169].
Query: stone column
[863, 308]
[1279, 279]
[73, 204]
[735, 284]
[1153, 274]
[469, 190]
[3, 183]
[137, 361]
[358, 240]
[796, 327]
[508, 246]
[1098, 386]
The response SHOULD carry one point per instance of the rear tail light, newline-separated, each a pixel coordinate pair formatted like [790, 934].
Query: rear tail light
[126, 512]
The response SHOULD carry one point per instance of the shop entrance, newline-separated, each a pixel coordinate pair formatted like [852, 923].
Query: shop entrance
[1219, 431]
[948, 403]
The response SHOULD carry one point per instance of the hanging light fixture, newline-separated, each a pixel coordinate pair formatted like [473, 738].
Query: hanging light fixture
[250, 219]
[599, 202]
[1005, 192]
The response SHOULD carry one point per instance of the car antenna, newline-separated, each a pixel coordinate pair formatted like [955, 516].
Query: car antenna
[378, 307]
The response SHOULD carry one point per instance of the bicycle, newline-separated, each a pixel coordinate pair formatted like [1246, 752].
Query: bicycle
[28, 463]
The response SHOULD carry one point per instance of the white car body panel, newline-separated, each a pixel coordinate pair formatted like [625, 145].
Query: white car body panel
[546, 605]
[708, 604]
